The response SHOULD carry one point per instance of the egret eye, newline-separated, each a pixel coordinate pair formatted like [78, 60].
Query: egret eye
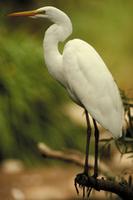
[43, 12]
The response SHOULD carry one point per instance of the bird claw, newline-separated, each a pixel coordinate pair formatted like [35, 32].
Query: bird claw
[80, 181]
[76, 187]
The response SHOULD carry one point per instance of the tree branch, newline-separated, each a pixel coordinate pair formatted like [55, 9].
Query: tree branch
[71, 157]
[121, 189]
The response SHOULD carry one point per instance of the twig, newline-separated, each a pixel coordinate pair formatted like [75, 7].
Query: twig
[75, 158]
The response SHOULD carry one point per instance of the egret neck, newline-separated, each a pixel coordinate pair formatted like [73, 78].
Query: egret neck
[56, 33]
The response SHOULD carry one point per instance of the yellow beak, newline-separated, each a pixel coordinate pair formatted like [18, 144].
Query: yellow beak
[25, 13]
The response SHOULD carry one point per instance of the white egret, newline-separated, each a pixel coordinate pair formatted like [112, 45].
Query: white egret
[84, 75]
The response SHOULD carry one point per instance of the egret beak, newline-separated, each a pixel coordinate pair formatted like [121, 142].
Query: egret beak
[24, 13]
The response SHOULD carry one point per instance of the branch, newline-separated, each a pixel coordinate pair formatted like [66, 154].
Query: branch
[71, 157]
[121, 189]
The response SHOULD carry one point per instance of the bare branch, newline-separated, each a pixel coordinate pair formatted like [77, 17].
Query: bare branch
[73, 157]
[121, 189]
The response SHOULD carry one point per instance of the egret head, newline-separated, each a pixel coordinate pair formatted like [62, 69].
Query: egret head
[52, 13]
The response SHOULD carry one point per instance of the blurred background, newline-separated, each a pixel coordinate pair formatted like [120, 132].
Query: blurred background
[34, 107]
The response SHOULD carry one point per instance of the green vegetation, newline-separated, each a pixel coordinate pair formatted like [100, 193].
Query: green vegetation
[31, 101]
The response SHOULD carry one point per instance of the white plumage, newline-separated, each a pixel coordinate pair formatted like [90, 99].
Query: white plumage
[81, 71]
[92, 85]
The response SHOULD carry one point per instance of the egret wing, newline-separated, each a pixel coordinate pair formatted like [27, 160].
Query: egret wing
[90, 83]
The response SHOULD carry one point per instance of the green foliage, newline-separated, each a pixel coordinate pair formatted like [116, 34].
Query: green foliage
[30, 100]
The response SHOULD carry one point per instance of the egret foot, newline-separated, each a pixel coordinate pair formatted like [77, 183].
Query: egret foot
[81, 181]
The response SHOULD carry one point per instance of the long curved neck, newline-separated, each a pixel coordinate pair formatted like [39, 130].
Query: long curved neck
[53, 58]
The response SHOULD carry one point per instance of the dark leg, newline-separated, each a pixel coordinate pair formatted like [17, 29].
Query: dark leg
[83, 177]
[96, 133]
[86, 166]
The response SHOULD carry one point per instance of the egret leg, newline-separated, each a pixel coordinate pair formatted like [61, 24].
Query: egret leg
[83, 177]
[96, 134]
[86, 166]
